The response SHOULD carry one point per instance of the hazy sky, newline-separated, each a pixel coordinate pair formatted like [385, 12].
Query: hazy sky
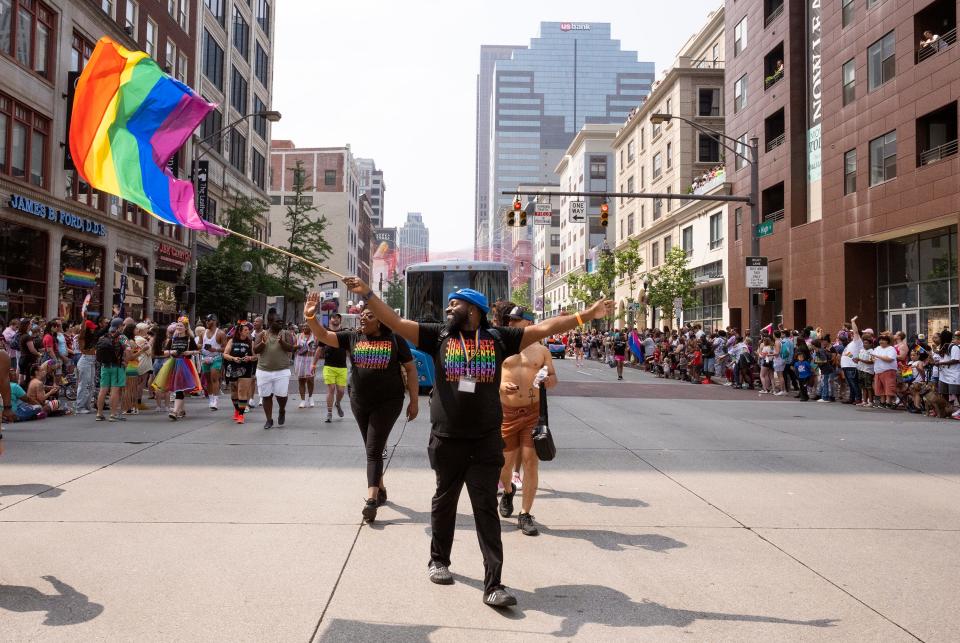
[397, 80]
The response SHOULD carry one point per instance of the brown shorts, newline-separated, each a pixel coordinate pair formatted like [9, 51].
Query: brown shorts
[885, 383]
[518, 425]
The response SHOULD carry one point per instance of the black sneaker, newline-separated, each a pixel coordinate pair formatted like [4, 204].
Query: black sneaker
[281, 416]
[439, 574]
[506, 501]
[499, 597]
[525, 524]
[381, 497]
[268, 424]
[370, 510]
[339, 410]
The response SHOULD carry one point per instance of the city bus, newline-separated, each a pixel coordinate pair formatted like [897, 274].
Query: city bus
[425, 295]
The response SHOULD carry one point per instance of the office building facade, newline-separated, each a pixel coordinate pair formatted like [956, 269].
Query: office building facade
[373, 185]
[571, 74]
[413, 241]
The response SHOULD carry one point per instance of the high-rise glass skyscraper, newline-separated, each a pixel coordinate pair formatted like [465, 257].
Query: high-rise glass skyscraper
[540, 97]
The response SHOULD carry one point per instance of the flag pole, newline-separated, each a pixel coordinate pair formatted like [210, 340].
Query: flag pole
[284, 252]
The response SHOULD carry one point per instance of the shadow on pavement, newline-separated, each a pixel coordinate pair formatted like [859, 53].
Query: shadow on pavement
[579, 605]
[30, 490]
[616, 541]
[68, 607]
[412, 517]
[589, 498]
[362, 631]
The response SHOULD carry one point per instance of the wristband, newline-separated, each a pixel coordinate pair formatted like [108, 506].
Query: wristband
[309, 317]
[579, 319]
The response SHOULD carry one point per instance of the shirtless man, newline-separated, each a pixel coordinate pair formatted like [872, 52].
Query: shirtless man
[520, 400]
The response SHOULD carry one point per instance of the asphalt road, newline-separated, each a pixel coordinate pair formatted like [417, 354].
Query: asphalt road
[672, 512]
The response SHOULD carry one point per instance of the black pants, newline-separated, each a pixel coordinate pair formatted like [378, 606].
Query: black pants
[476, 463]
[790, 377]
[375, 420]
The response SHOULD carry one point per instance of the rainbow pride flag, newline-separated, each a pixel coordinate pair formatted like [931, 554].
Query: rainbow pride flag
[79, 278]
[128, 119]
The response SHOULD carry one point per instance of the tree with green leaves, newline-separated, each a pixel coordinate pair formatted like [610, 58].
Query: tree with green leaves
[588, 287]
[394, 294]
[521, 295]
[628, 263]
[306, 239]
[671, 281]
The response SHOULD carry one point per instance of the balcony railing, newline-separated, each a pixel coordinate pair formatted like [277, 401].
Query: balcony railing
[706, 63]
[772, 79]
[774, 216]
[938, 153]
[941, 43]
[776, 142]
[773, 16]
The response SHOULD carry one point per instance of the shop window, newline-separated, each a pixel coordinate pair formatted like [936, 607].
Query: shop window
[28, 34]
[135, 270]
[23, 270]
[24, 143]
[79, 262]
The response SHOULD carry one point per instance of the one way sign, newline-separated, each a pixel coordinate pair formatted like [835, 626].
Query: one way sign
[577, 212]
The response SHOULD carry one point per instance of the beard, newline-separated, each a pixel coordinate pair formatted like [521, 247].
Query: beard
[455, 320]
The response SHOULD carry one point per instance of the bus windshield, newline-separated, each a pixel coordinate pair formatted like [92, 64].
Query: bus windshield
[427, 291]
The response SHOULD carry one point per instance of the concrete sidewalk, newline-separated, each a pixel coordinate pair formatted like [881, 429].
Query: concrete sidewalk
[663, 518]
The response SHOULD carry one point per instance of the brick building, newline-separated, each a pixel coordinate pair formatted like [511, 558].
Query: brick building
[857, 121]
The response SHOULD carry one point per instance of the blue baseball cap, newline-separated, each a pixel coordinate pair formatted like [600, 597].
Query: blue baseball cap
[471, 296]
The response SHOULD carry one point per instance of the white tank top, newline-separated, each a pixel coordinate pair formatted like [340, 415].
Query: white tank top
[212, 341]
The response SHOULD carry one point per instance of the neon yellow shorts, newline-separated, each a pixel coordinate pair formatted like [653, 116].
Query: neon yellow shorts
[334, 375]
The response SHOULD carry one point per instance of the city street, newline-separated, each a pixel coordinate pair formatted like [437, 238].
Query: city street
[672, 512]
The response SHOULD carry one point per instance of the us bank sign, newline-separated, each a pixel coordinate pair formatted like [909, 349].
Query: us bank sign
[574, 26]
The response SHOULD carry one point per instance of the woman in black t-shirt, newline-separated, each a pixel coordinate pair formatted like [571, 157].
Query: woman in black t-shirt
[376, 388]
[239, 367]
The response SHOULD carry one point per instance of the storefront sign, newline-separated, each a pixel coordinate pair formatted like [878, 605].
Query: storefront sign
[53, 215]
[173, 255]
[203, 172]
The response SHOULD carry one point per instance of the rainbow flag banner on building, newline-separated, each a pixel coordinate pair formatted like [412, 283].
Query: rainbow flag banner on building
[79, 278]
[128, 119]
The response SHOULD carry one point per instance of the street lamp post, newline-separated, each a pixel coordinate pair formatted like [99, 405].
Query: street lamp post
[271, 115]
[754, 161]
[543, 285]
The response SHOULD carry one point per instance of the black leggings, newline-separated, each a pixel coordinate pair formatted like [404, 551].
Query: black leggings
[376, 420]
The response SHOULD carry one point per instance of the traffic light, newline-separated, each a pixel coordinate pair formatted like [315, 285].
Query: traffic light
[512, 218]
[604, 213]
[523, 217]
[512, 215]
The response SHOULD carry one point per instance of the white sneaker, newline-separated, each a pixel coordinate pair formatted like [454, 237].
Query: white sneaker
[83, 411]
[252, 403]
[213, 402]
[763, 392]
[302, 405]
[822, 400]
[517, 480]
[779, 393]
[312, 404]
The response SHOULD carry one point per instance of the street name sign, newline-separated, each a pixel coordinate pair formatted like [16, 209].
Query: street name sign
[764, 229]
[757, 272]
[543, 214]
[578, 212]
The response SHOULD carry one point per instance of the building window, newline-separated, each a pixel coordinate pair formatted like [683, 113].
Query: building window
[211, 125]
[238, 92]
[708, 103]
[80, 52]
[669, 109]
[27, 33]
[172, 8]
[846, 12]
[329, 177]
[687, 240]
[261, 66]
[740, 36]
[170, 57]
[630, 224]
[643, 137]
[669, 154]
[655, 131]
[716, 230]
[107, 7]
[183, 68]
[630, 186]
[259, 122]
[241, 33]
[654, 254]
[183, 17]
[708, 149]
[881, 61]
[849, 81]
[737, 223]
[216, 8]
[238, 151]
[657, 166]
[667, 245]
[657, 208]
[883, 158]
[643, 177]
[643, 215]
[631, 151]
[150, 39]
[740, 93]
[130, 19]
[740, 158]
[258, 169]
[598, 167]
[212, 60]
[24, 143]
[669, 200]
[263, 15]
[850, 172]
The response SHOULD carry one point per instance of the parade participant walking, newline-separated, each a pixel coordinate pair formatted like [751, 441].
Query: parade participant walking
[465, 415]
[520, 401]
[178, 374]
[240, 362]
[87, 366]
[334, 371]
[273, 348]
[618, 344]
[578, 349]
[257, 329]
[158, 344]
[376, 388]
[305, 365]
[111, 353]
[211, 359]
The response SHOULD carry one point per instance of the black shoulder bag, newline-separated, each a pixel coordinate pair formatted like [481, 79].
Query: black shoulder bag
[542, 435]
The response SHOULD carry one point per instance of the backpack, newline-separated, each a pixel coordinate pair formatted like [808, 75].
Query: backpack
[15, 342]
[109, 350]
